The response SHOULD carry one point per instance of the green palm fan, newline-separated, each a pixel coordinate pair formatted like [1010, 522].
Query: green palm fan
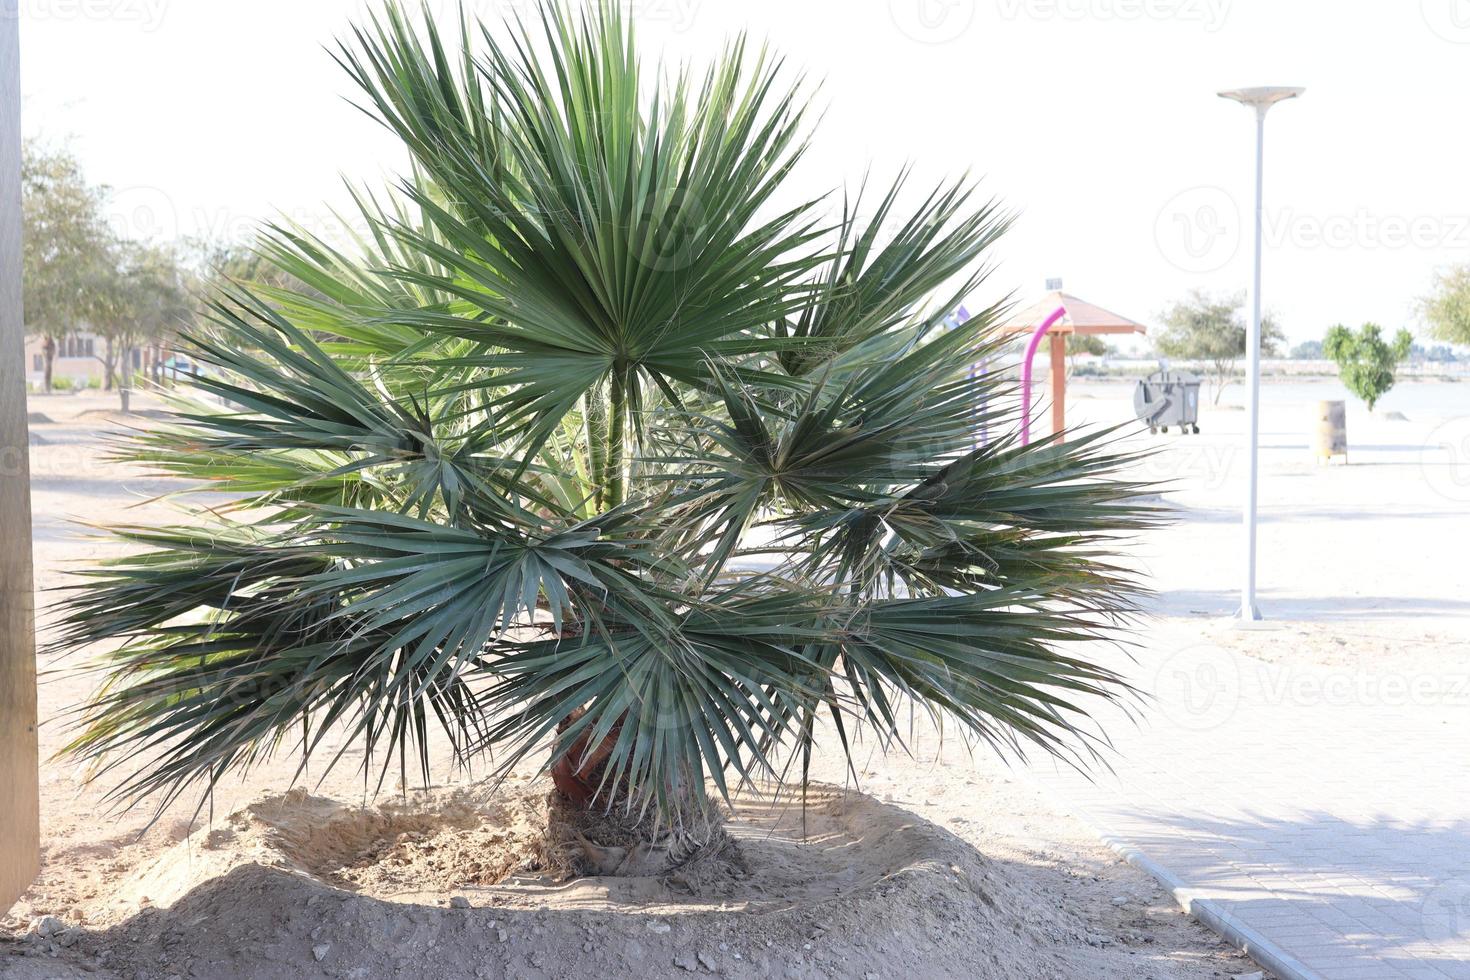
[599, 449]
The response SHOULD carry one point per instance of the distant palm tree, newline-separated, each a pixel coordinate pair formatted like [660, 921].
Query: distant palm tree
[598, 448]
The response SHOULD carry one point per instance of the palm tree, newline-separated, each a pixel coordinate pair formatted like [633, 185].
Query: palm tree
[597, 447]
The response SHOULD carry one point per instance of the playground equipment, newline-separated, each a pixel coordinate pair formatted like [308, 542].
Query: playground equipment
[1041, 331]
[1057, 315]
[954, 321]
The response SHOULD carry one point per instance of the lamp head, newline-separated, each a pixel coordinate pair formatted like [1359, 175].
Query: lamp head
[1264, 97]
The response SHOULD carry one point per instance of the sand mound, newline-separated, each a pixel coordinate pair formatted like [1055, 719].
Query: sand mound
[38, 418]
[424, 845]
[443, 885]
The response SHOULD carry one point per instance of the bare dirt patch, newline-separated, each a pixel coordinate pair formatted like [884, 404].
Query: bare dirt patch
[446, 883]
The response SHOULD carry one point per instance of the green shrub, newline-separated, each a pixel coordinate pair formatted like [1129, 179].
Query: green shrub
[1365, 361]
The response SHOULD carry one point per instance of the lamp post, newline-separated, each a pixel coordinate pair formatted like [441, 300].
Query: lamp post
[19, 792]
[1261, 100]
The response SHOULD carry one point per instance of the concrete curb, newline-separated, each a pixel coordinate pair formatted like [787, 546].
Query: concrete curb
[1227, 926]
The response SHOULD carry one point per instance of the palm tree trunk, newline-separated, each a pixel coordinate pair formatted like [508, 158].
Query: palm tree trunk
[617, 419]
[594, 419]
[595, 827]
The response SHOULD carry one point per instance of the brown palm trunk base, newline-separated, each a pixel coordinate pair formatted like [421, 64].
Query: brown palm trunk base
[608, 833]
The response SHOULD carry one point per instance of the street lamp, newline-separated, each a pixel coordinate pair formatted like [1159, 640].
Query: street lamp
[1261, 100]
[20, 813]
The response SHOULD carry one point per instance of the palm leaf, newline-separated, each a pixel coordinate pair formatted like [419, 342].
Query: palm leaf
[596, 437]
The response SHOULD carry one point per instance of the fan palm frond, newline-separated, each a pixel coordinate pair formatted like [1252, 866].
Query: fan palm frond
[596, 438]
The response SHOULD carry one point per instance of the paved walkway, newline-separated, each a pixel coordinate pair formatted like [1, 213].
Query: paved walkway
[1322, 812]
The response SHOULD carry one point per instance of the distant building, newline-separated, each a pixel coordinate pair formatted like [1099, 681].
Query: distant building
[78, 357]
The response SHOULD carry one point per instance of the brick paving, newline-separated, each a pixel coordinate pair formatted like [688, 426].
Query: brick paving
[1326, 809]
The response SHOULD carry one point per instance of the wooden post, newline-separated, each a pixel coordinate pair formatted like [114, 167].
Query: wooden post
[19, 773]
[1058, 383]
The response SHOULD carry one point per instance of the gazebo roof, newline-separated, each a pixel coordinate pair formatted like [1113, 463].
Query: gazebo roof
[1082, 317]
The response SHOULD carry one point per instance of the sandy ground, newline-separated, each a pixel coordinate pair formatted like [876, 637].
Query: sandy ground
[1334, 567]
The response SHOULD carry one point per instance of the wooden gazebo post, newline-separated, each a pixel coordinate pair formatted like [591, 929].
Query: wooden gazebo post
[1058, 382]
[19, 772]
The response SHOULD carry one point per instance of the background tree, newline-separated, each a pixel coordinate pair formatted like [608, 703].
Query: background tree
[1447, 308]
[216, 262]
[67, 258]
[206, 266]
[604, 448]
[1365, 361]
[1438, 354]
[1212, 331]
[1083, 343]
[1308, 350]
[146, 303]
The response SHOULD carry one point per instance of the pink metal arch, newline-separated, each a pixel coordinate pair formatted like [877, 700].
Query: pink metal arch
[1041, 331]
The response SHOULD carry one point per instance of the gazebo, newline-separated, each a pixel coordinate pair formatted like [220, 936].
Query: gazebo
[1062, 314]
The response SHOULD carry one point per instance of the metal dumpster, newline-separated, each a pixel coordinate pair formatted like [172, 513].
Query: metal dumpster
[1168, 398]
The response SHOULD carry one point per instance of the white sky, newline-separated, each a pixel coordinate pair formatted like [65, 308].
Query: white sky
[1096, 119]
